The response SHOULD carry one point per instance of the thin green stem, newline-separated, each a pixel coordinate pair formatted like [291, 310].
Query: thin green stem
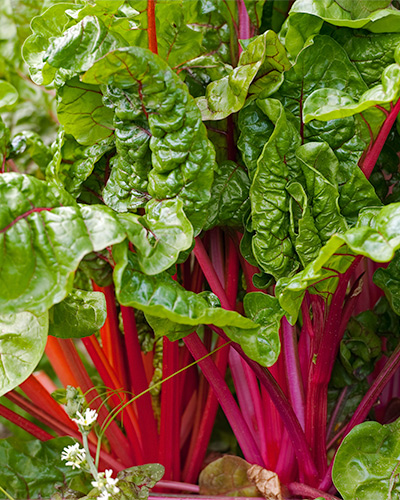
[6, 494]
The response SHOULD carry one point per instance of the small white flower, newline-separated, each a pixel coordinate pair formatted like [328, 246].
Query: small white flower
[104, 496]
[106, 484]
[75, 455]
[86, 420]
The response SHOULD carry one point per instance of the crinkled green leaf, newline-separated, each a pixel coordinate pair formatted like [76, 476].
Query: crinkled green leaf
[45, 27]
[81, 111]
[361, 346]
[229, 197]
[39, 256]
[329, 104]
[30, 143]
[173, 311]
[264, 310]
[73, 163]
[271, 244]
[264, 60]
[80, 314]
[182, 156]
[163, 297]
[255, 130]
[366, 463]
[22, 341]
[160, 235]
[81, 45]
[376, 236]
[369, 52]
[374, 15]
[298, 32]
[303, 231]
[30, 469]
[8, 94]
[389, 281]
[320, 167]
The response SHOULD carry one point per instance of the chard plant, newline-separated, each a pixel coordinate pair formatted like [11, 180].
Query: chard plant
[214, 184]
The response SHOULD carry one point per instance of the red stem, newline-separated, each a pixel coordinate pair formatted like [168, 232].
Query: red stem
[226, 400]
[119, 444]
[151, 26]
[170, 412]
[367, 403]
[128, 416]
[372, 157]
[306, 491]
[147, 421]
[25, 424]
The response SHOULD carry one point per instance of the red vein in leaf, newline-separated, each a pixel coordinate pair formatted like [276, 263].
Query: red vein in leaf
[24, 216]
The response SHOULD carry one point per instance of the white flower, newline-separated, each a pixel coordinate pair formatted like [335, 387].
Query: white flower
[75, 455]
[106, 484]
[86, 420]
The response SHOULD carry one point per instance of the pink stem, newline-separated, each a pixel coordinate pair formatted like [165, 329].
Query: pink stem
[372, 156]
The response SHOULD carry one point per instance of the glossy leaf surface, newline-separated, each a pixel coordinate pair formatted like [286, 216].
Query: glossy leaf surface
[22, 341]
[366, 463]
[80, 314]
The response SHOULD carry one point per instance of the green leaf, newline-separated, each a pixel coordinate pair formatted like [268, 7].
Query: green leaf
[374, 15]
[264, 58]
[45, 27]
[366, 463]
[81, 111]
[173, 311]
[320, 168]
[329, 104]
[73, 163]
[8, 94]
[271, 244]
[22, 341]
[255, 130]
[298, 32]
[388, 280]
[136, 482]
[30, 469]
[30, 143]
[182, 157]
[369, 52]
[80, 314]
[376, 236]
[81, 45]
[266, 311]
[160, 235]
[229, 197]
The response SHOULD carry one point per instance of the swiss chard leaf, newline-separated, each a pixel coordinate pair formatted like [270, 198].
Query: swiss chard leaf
[80, 314]
[175, 312]
[378, 240]
[22, 341]
[264, 60]
[366, 463]
[375, 15]
[30, 469]
[182, 156]
[41, 270]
